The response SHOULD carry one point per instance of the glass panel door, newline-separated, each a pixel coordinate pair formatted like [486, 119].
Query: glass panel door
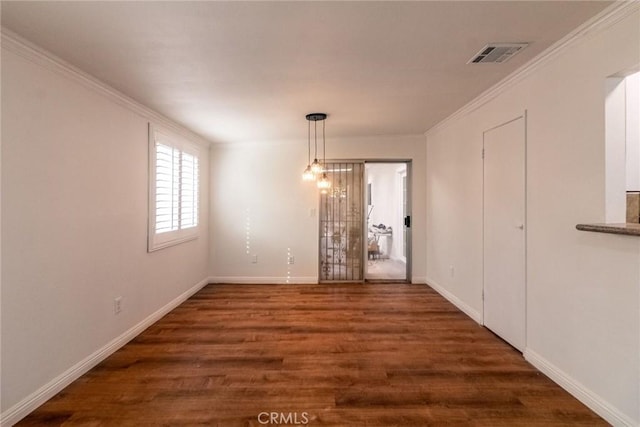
[341, 224]
[388, 221]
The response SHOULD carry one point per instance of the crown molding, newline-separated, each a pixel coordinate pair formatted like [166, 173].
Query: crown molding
[613, 14]
[34, 53]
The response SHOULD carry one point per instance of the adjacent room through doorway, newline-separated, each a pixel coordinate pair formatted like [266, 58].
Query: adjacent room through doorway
[388, 221]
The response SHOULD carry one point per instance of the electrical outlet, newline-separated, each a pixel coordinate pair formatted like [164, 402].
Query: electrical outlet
[452, 271]
[254, 259]
[290, 259]
[117, 305]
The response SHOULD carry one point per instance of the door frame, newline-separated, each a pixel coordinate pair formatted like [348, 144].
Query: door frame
[525, 218]
[365, 193]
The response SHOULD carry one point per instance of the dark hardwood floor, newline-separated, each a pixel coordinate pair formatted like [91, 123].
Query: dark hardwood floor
[338, 355]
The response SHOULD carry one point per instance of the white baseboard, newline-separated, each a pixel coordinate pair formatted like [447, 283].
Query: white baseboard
[469, 311]
[575, 388]
[47, 391]
[283, 280]
[596, 403]
[271, 280]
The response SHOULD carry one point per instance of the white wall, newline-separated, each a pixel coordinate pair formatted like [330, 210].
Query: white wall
[632, 84]
[74, 227]
[259, 201]
[261, 183]
[583, 314]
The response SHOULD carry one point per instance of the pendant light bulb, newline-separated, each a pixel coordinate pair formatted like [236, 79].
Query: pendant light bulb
[308, 174]
[324, 183]
[316, 167]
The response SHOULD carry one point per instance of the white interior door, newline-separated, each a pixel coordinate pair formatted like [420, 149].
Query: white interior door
[504, 231]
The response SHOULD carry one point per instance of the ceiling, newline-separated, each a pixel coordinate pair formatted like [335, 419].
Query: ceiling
[242, 71]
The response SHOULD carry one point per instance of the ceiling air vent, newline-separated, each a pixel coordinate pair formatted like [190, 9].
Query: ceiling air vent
[497, 52]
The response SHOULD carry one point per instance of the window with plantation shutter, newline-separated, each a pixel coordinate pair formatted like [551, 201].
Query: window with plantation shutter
[173, 189]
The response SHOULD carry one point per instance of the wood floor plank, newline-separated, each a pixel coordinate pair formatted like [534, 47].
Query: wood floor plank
[344, 354]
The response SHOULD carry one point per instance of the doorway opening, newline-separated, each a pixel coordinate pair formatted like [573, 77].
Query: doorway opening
[387, 221]
[622, 143]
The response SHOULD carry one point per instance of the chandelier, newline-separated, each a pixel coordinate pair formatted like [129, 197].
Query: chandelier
[315, 171]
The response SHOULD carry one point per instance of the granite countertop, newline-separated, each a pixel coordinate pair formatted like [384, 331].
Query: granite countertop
[626, 229]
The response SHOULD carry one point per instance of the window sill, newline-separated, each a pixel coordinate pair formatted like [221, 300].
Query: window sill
[624, 229]
[156, 246]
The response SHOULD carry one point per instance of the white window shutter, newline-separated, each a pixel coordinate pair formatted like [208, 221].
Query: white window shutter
[189, 191]
[173, 190]
[167, 189]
